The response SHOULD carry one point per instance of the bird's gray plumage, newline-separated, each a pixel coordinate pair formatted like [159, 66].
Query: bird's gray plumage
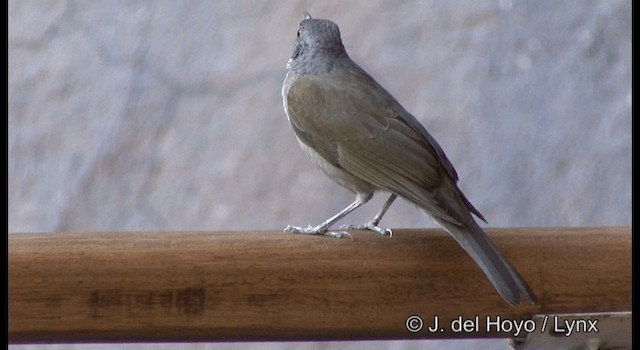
[364, 140]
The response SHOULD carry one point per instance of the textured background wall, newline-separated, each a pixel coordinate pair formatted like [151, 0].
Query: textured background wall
[167, 115]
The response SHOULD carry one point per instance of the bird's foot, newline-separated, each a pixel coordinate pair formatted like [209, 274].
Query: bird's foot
[317, 230]
[369, 226]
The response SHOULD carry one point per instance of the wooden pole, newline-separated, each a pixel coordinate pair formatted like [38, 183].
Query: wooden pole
[199, 286]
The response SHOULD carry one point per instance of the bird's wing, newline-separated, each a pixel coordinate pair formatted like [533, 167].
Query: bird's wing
[367, 133]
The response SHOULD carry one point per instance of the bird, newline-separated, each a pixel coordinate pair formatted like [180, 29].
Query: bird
[360, 136]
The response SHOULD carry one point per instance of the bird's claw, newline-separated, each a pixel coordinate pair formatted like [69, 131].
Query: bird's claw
[370, 226]
[317, 230]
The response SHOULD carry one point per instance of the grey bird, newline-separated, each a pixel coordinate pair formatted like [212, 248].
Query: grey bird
[365, 141]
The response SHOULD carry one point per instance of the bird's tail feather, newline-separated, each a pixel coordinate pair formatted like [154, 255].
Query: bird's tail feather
[498, 270]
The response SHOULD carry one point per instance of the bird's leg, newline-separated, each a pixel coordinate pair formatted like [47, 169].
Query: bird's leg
[322, 229]
[373, 224]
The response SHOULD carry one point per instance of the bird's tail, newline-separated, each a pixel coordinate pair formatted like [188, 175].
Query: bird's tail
[502, 275]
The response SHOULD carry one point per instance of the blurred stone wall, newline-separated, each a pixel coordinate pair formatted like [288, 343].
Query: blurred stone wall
[167, 115]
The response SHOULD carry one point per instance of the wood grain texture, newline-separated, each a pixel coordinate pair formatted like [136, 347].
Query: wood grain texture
[216, 286]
